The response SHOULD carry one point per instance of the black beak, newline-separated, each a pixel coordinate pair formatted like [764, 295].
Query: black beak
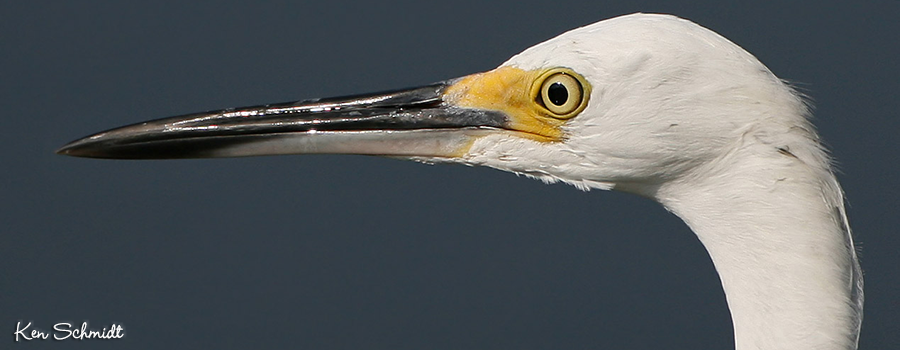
[410, 122]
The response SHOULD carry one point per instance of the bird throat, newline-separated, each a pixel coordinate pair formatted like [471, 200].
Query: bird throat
[782, 250]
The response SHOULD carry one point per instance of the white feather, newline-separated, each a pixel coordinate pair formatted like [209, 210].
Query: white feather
[684, 116]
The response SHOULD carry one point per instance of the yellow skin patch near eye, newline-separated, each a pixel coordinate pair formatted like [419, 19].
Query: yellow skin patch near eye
[514, 92]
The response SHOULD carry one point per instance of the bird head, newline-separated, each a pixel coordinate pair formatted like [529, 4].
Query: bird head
[629, 102]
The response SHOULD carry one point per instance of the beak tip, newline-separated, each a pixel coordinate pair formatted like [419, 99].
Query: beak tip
[73, 149]
[88, 147]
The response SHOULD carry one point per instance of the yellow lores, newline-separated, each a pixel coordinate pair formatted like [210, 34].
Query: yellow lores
[537, 102]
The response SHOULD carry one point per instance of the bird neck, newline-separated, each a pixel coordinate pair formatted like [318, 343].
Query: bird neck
[776, 231]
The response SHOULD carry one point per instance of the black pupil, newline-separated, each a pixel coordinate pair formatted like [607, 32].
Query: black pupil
[557, 93]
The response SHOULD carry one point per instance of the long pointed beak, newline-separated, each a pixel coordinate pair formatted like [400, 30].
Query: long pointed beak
[411, 122]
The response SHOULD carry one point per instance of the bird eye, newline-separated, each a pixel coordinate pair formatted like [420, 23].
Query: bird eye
[561, 93]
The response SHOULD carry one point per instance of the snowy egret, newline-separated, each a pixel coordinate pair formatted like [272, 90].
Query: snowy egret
[648, 104]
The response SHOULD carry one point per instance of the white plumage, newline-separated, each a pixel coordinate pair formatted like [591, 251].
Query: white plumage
[675, 113]
[684, 116]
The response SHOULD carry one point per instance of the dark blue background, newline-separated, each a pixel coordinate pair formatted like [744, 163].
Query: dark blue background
[353, 252]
